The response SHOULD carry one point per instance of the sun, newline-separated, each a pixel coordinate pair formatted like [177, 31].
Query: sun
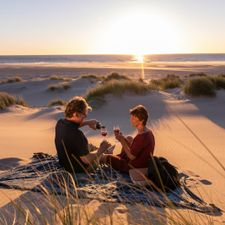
[139, 58]
[140, 33]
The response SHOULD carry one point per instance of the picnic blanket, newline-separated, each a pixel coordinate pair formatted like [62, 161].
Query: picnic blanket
[44, 174]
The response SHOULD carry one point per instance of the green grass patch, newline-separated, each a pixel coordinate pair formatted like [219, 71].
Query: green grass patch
[59, 87]
[7, 100]
[200, 87]
[117, 88]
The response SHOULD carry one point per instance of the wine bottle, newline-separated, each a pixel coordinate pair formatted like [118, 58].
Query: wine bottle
[99, 125]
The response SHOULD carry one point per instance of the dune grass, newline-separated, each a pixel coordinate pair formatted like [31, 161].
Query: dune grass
[198, 84]
[218, 81]
[200, 87]
[12, 80]
[57, 103]
[117, 88]
[169, 82]
[59, 87]
[197, 75]
[91, 76]
[7, 100]
[115, 76]
[70, 209]
[55, 77]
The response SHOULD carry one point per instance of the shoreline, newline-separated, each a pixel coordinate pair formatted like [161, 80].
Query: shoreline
[150, 72]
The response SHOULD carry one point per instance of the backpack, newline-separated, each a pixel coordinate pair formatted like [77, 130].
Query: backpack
[164, 175]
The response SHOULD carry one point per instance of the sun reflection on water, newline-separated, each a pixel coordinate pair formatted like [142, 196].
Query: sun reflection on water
[140, 59]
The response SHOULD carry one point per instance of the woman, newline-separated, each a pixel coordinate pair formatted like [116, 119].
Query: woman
[135, 152]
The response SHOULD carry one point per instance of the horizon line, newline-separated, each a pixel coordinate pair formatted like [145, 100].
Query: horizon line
[107, 54]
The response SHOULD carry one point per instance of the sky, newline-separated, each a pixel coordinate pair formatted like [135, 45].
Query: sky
[37, 27]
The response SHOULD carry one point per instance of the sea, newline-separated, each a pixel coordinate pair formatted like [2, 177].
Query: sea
[75, 65]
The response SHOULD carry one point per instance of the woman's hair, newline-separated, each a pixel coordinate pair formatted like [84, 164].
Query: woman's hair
[141, 113]
[77, 104]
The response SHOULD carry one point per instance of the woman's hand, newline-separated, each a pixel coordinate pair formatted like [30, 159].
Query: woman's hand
[119, 136]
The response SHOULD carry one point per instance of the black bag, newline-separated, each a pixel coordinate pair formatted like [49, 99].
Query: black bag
[163, 175]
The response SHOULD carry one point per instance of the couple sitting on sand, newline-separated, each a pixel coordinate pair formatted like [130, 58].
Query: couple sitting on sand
[73, 148]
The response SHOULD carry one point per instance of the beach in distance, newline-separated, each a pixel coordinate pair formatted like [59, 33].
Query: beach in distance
[76, 65]
[188, 121]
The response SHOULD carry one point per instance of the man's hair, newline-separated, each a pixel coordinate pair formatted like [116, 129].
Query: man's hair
[77, 104]
[141, 113]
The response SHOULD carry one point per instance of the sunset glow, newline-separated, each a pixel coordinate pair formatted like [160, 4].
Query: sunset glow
[111, 27]
[140, 33]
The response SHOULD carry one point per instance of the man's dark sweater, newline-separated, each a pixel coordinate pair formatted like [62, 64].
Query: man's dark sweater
[70, 144]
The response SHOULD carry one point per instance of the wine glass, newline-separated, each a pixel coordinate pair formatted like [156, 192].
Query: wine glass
[116, 130]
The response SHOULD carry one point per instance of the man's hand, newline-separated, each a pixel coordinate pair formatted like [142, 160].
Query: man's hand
[103, 147]
[90, 123]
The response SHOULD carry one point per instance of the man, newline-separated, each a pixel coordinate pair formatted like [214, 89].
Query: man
[71, 143]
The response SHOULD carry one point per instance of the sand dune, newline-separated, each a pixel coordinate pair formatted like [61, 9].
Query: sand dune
[36, 91]
[24, 131]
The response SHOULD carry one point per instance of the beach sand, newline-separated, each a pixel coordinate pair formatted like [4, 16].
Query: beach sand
[173, 118]
[151, 70]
